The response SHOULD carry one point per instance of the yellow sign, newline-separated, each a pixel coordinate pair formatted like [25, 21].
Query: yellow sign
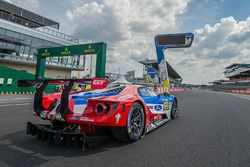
[148, 79]
[89, 50]
[166, 84]
[45, 53]
[65, 52]
[165, 106]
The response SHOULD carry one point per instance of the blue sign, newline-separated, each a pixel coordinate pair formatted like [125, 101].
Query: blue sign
[151, 72]
[165, 41]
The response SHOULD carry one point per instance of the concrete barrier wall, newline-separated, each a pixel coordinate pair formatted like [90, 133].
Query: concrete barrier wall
[171, 90]
[50, 72]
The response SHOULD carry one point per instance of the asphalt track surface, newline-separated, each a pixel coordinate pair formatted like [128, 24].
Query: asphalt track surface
[212, 130]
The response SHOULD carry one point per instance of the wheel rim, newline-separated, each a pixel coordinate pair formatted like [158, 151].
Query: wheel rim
[136, 121]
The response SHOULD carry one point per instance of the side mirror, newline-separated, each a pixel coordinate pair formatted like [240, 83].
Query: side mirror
[166, 94]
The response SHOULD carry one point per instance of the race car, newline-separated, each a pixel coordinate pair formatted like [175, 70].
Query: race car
[127, 112]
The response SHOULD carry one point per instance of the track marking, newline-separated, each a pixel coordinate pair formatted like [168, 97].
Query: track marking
[9, 105]
[23, 98]
[4, 99]
[242, 96]
[20, 99]
[22, 104]
[21, 149]
[5, 105]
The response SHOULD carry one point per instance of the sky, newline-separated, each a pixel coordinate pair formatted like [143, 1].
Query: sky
[221, 29]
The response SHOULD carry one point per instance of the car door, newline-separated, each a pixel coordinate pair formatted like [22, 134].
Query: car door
[158, 104]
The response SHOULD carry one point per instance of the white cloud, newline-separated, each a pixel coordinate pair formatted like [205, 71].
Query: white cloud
[113, 20]
[214, 48]
[128, 26]
[10, 1]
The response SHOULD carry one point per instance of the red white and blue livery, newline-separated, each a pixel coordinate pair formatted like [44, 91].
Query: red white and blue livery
[127, 112]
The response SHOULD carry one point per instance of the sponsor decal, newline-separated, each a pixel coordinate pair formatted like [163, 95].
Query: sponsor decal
[58, 116]
[86, 119]
[99, 83]
[66, 52]
[89, 49]
[158, 107]
[45, 53]
[43, 114]
[165, 106]
[74, 118]
[151, 107]
[51, 116]
[157, 117]
[155, 108]
[117, 117]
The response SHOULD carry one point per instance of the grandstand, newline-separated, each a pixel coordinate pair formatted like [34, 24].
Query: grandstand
[238, 78]
[238, 72]
[174, 77]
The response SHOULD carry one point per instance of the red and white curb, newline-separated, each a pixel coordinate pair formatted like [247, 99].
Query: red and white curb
[246, 91]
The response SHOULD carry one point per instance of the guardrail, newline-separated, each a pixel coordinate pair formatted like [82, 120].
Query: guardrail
[57, 34]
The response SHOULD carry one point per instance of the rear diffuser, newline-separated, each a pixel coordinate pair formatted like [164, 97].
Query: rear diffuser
[63, 137]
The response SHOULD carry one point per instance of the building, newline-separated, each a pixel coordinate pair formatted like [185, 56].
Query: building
[238, 79]
[238, 72]
[129, 76]
[174, 77]
[23, 32]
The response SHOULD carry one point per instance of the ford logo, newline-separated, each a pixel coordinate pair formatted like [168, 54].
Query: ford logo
[158, 107]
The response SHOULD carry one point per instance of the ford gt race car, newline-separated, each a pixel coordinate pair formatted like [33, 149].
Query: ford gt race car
[127, 112]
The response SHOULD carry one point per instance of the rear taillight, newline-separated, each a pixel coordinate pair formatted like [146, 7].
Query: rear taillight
[114, 106]
[102, 108]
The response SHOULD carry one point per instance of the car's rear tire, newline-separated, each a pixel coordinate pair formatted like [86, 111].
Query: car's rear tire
[135, 125]
[174, 110]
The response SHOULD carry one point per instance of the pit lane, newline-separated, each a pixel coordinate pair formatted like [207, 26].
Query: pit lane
[212, 130]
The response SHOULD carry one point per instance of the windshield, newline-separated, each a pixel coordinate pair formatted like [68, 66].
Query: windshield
[144, 91]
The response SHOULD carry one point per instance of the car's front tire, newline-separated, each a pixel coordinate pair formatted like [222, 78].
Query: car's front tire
[174, 110]
[135, 125]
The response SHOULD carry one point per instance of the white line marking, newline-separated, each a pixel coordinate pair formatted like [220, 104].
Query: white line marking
[242, 96]
[23, 98]
[20, 99]
[9, 105]
[23, 104]
[4, 99]
[6, 105]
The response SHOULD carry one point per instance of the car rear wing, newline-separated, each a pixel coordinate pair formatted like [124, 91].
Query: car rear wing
[96, 83]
